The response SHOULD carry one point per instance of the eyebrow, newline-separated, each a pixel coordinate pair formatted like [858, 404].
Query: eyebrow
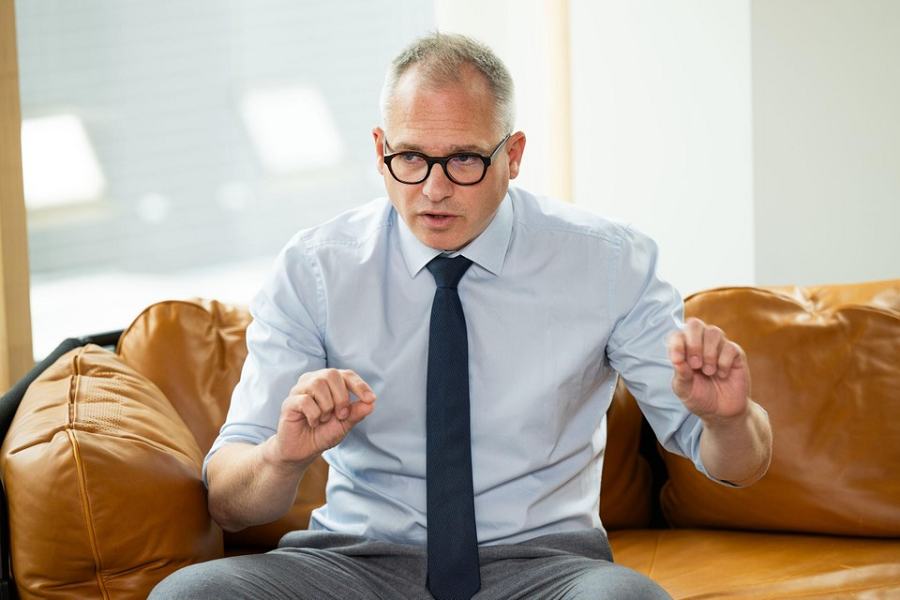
[401, 147]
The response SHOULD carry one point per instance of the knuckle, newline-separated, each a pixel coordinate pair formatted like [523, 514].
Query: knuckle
[311, 380]
[352, 379]
[319, 386]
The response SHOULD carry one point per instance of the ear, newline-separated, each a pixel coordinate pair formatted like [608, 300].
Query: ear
[378, 136]
[515, 147]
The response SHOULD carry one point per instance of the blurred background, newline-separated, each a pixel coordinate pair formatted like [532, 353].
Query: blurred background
[170, 149]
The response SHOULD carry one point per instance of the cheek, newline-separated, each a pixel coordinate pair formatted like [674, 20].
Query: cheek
[485, 210]
[402, 196]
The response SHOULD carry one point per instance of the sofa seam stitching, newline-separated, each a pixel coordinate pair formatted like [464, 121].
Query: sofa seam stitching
[82, 485]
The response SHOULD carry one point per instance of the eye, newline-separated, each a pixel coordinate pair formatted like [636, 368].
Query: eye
[410, 157]
[466, 160]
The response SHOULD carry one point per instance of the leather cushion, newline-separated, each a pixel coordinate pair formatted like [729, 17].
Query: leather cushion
[103, 483]
[194, 350]
[625, 484]
[728, 564]
[826, 365]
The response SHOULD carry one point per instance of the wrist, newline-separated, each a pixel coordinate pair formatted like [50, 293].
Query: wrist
[274, 460]
[725, 422]
[738, 449]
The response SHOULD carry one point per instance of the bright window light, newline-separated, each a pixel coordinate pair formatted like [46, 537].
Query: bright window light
[58, 162]
[292, 129]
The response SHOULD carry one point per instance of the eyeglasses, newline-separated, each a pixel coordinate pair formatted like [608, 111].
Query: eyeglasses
[462, 168]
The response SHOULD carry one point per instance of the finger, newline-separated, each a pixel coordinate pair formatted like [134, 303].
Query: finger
[291, 409]
[320, 390]
[728, 359]
[340, 397]
[684, 374]
[693, 335]
[359, 411]
[713, 340]
[358, 386]
[683, 380]
[305, 405]
[675, 346]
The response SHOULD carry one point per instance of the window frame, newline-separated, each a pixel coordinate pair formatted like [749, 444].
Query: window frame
[16, 356]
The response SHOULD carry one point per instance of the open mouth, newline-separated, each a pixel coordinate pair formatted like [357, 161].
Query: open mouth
[436, 219]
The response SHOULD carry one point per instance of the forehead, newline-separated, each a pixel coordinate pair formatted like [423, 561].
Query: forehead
[456, 114]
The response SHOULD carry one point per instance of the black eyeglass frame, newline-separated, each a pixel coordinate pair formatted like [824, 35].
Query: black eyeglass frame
[443, 160]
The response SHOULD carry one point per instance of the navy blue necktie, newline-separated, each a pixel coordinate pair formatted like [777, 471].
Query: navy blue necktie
[452, 544]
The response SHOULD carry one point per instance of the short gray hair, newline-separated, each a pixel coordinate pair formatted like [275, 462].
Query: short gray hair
[440, 57]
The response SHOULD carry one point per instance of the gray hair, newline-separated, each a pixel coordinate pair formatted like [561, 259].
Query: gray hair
[440, 58]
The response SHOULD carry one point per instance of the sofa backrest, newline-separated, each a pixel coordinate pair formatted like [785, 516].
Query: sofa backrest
[194, 350]
[825, 364]
[626, 483]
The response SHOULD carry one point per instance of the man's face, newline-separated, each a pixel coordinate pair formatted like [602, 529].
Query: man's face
[438, 122]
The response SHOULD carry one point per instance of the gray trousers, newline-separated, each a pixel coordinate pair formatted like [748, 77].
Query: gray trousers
[318, 565]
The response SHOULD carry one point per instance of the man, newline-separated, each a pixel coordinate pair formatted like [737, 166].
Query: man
[453, 352]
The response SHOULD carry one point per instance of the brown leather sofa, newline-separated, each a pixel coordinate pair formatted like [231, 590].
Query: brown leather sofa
[101, 465]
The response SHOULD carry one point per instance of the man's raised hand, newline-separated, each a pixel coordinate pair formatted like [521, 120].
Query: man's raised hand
[318, 413]
[712, 378]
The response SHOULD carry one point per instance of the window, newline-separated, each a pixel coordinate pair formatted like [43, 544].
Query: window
[171, 148]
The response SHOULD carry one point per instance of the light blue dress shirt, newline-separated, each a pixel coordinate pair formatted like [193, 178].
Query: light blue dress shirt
[557, 302]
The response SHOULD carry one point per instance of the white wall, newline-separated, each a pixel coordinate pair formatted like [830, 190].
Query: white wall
[758, 141]
[662, 131]
[519, 32]
[826, 126]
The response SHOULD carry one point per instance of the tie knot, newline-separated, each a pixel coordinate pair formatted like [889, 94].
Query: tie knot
[448, 271]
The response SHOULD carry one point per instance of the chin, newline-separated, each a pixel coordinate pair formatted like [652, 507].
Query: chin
[442, 242]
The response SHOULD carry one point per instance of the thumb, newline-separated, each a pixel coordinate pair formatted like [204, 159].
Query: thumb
[358, 411]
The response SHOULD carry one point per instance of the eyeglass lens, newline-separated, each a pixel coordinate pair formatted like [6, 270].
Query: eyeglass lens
[410, 167]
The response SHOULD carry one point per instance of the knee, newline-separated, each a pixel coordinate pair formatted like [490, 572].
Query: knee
[204, 580]
[619, 583]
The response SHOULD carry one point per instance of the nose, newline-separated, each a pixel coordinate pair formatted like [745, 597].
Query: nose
[437, 187]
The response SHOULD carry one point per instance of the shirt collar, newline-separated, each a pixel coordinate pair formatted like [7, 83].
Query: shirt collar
[488, 250]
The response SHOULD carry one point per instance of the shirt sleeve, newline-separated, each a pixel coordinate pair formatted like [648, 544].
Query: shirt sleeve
[646, 310]
[284, 340]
